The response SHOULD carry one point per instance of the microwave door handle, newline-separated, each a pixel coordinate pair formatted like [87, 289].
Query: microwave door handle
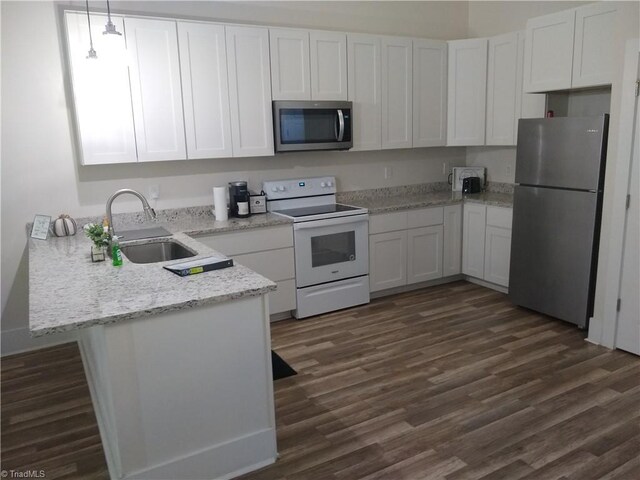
[340, 135]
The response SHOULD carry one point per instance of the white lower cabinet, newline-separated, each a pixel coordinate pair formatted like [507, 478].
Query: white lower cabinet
[486, 250]
[269, 252]
[410, 247]
[452, 251]
[387, 260]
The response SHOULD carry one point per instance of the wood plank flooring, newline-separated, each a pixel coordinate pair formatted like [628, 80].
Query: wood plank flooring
[450, 382]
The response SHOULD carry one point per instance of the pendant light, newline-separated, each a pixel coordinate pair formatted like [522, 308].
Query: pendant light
[110, 28]
[92, 53]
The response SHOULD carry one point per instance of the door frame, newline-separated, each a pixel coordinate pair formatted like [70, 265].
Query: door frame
[603, 331]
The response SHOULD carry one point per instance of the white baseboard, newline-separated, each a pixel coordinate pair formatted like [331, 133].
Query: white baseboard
[414, 286]
[18, 340]
[484, 283]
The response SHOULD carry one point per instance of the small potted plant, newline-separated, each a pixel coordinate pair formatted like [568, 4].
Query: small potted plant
[100, 238]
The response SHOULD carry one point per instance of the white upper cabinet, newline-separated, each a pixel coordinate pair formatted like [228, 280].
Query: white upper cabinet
[467, 92]
[502, 89]
[205, 92]
[101, 92]
[249, 91]
[290, 67]
[593, 53]
[528, 105]
[328, 55]
[397, 92]
[429, 93]
[572, 48]
[364, 90]
[155, 89]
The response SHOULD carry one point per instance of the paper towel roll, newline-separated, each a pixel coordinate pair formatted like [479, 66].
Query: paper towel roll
[220, 203]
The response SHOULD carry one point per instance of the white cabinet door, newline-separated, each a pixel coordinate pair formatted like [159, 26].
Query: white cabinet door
[549, 52]
[473, 239]
[290, 74]
[594, 58]
[429, 93]
[249, 91]
[364, 90]
[156, 89]
[528, 105]
[205, 91]
[397, 93]
[101, 93]
[497, 255]
[452, 251]
[424, 250]
[387, 260]
[467, 92]
[502, 89]
[328, 65]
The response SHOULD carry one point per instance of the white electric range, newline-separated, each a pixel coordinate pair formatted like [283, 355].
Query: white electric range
[331, 244]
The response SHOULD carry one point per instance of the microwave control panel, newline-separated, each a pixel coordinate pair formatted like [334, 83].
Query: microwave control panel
[299, 187]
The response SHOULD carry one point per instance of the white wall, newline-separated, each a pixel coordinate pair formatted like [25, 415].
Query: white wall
[40, 173]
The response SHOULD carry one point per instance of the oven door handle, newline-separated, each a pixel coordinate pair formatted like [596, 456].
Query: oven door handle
[327, 222]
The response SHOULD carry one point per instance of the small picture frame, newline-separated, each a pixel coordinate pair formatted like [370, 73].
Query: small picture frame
[40, 229]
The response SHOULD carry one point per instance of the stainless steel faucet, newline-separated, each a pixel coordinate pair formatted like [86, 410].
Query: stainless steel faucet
[149, 212]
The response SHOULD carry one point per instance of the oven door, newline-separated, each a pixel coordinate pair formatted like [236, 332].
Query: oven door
[331, 249]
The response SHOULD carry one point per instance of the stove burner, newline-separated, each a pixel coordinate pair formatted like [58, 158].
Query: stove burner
[316, 210]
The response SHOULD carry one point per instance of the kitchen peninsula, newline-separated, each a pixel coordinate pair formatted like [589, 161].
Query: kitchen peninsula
[179, 368]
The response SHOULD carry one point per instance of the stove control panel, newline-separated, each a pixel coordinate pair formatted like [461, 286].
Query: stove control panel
[299, 187]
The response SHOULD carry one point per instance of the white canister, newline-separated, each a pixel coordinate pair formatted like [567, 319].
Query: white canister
[220, 203]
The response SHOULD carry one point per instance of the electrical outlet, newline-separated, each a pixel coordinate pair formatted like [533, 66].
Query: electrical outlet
[388, 172]
[154, 192]
[444, 168]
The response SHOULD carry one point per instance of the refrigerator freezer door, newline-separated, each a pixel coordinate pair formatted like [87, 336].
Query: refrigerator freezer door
[562, 152]
[552, 269]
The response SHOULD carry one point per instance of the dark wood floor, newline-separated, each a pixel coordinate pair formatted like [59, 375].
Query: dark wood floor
[451, 382]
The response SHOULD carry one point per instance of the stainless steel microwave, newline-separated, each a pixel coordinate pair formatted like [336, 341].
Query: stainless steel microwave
[309, 125]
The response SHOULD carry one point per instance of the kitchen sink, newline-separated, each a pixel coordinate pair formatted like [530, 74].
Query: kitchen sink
[156, 252]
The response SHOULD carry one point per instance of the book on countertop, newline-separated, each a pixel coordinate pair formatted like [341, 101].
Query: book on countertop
[206, 264]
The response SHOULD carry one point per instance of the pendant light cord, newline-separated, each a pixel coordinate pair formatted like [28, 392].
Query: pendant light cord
[108, 11]
[89, 24]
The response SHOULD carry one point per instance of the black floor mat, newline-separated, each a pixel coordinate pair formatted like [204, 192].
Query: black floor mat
[281, 369]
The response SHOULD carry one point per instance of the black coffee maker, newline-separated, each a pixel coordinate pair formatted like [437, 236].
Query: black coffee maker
[239, 199]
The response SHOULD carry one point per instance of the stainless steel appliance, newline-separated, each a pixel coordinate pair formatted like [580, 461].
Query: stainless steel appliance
[309, 125]
[556, 215]
[331, 244]
[471, 185]
[239, 199]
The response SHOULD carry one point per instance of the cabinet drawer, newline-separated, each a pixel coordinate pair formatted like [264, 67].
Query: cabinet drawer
[387, 222]
[425, 217]
[275, 264]
[284, 298]
[248, 241]
[499, 217]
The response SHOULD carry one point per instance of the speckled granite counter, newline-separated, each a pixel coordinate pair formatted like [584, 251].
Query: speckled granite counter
[67, 291]
[412, 200]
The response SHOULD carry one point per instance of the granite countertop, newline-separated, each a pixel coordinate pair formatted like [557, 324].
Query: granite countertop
[413, 200]
[67, 291]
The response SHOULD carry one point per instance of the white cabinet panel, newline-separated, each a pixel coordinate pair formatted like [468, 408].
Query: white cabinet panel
[205, 92]
[249, 91]
[528, 105]
[467, 92]
[276, 265]
[364, 90]
[290, 73]
[424, 253]
[241, 242]
[387, 260]
[497, 255]
[328, 65]
[425, 217]
[549, 52]
[387, 222]
[502, 89]
[594, 45]
[499, 217]
[429, 93]
[473, 240]
[452, 251]
[101, 92]
[284, 298]
[397, 93]
[156, 89]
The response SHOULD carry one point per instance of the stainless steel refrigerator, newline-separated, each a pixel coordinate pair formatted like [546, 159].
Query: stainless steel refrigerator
[557, 209]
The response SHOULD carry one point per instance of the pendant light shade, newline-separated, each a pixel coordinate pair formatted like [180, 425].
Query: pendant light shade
[92, 53]
[110, 28]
